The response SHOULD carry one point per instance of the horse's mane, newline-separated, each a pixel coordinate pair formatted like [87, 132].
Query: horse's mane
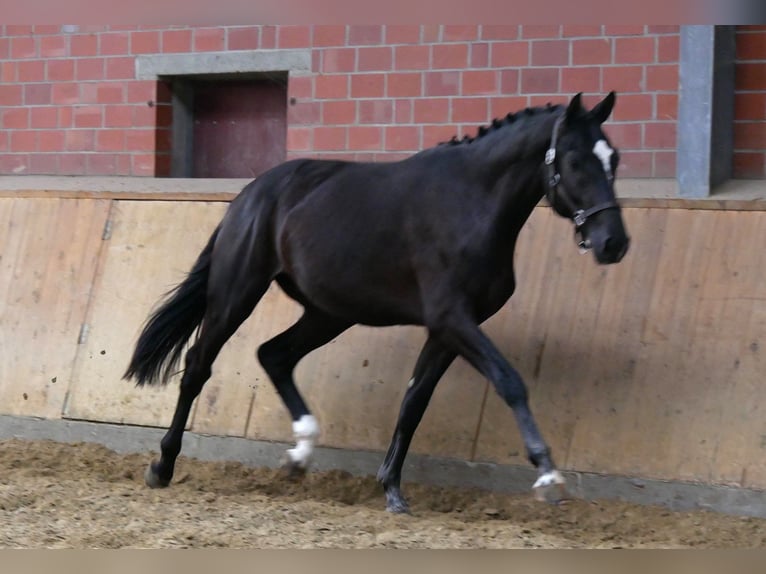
[498, 123]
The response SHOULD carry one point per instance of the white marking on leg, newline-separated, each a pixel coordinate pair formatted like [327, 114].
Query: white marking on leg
[306, 431]
[604, 153]
[549, 479]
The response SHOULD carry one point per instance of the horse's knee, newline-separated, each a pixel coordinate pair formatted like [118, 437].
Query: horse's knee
[274, 360]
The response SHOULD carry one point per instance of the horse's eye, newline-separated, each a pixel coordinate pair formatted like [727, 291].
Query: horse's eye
[574, 164]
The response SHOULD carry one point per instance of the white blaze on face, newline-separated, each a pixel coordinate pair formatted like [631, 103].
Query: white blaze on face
[604, 153]
[306, 431]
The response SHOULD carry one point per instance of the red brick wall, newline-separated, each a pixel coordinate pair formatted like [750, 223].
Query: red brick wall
[70, 103]
[750, 111]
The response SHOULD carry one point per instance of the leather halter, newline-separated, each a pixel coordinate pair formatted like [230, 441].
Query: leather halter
[555, 193]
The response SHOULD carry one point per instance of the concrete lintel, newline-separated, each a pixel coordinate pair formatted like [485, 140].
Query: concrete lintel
[706, 108]
[153, 66]
[419, 468]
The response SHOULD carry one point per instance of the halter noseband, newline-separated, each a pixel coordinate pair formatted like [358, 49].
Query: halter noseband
[579, 216]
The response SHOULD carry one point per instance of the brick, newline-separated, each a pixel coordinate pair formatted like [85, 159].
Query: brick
[89, 93]
[624, 30]
[300, 87]
[44, 164]
[363, 35]
[88, 117]
[671, 29]
[329, 35]
[101, 164]
[304, 113]
[51, 140]
[501, 107]
[473, 110]
[268, 37]
[144, 116]
[176, 41]
[636, 163]
[449, 56]
[38, 94]
[664, 164]
[376, 112]
[581, 79]
[412, 58]
[550, 53]
[479, 55]
[331, 87]
[530, 31]
[293, 37]
[660, 135]
[31, 71]
[15, 163]
[22, 48]
[66, 117]
[662, 78]
[8, 72]
[540, 80]
[750, 136]
[208, 39]
[404, 84]
[110, 140]
[479, 82]
[43, 117]
[145, 42]
[65, 93]
[591, 52]
[143, 164]
[625, 136]
[110, 93]
[442, 83]
[402, 34]
[375, 59]
[299, 139]
[750, 77]
[509, 54]
[667, 106]
[433, 135]
[403, 111]
[749, 165]
[341, 112]
[5, 48]
[431, 111]
[330, 138]
[338, 60]
[402, 138]
[89, 69]
[247, 38]
[361, 138]
[118, 116]
[114, 44]
[459, 33]
[633, 107]
[18, 29]
[60, 70]
[623, 79]
[119, 68]
[635, 50]
[751, 46]
[139, 140]
[53, 47]
[581, 30]
[431, 33]
[83, 45]
[23, 140]
[15, 119]
[750, 106]
[499, 32]
[668, 49]
[368, 85]
[140, 91]
[509, 81]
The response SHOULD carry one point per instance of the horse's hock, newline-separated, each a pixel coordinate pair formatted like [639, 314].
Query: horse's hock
[649, 369]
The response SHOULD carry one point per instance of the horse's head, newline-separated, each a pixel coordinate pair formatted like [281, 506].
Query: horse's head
[581, 167]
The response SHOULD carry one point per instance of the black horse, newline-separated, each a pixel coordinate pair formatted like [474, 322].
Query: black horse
[426, 241]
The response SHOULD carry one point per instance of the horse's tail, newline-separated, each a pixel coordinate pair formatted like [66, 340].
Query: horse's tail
[167, 330]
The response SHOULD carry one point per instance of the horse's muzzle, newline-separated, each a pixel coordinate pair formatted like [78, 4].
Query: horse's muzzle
[611, 249]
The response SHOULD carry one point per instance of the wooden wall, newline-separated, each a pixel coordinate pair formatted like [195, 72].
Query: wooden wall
[651, 367]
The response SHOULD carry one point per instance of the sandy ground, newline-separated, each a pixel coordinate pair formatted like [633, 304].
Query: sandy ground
[85, 496]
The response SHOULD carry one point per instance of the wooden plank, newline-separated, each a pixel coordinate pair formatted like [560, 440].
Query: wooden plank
[48, 253]
[152, 246]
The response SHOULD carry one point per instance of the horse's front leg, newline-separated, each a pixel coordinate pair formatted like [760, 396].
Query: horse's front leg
[461, 334]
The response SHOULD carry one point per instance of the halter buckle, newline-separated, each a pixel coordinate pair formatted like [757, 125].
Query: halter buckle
[579, 218]
[550, 156]
[554, 180]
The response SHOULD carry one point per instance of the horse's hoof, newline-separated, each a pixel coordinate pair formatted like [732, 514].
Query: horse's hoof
[396, 504]
[292, 469]
[152, 478]
[550, 487]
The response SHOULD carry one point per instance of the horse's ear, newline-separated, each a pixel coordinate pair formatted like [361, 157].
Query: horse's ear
[574, 109]
[602, 110]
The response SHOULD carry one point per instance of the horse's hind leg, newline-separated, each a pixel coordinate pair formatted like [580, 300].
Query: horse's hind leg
[279, 356]
[228, 306]
[432, 363]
